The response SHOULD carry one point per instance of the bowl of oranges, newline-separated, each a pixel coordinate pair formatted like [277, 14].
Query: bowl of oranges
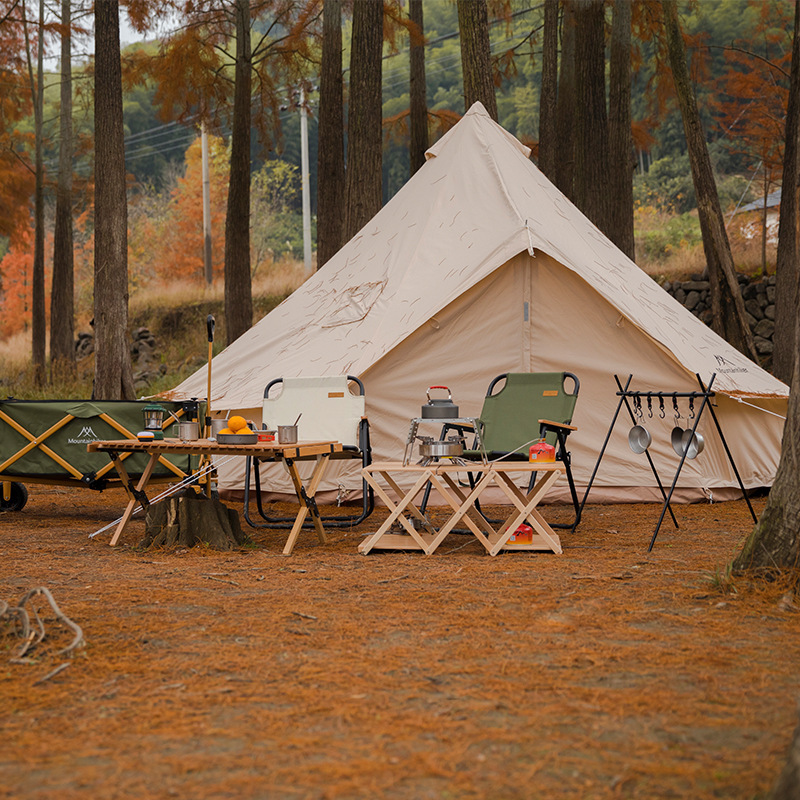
[238, 431]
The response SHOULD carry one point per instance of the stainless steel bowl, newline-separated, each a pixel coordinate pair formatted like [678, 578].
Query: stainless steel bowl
[639, 439]
[676, 437]
[693, 443]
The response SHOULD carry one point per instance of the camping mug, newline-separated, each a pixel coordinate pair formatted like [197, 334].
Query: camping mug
[188, 431]
[218, 425]
[287, 434]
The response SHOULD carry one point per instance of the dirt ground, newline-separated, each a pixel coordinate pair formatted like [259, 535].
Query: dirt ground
[604, 672]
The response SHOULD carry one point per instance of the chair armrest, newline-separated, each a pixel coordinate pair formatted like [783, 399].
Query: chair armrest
[555, 425]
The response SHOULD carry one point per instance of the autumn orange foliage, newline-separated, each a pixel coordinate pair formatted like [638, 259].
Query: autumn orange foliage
[16, 270]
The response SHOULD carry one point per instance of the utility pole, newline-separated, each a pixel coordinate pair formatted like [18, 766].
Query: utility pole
[304, 170]
[206, 205]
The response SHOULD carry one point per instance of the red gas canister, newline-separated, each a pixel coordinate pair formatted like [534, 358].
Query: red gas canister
[541, 451]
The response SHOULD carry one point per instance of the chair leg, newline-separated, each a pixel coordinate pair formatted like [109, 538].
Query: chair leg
[368, 505]
[564, 455]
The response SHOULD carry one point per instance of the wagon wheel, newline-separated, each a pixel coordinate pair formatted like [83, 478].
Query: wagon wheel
[17, 500]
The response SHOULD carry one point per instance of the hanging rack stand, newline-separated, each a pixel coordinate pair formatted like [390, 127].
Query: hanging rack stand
[626, 395]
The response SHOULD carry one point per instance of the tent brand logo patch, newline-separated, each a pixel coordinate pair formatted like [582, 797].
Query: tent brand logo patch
[85, 436]
[727, 367]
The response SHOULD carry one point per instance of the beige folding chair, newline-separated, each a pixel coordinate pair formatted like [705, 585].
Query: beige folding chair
[328, 410]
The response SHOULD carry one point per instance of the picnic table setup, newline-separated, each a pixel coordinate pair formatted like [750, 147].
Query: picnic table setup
[287, 454]
[459, 476]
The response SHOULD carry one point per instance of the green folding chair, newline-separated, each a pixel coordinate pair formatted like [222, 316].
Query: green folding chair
[519, 409]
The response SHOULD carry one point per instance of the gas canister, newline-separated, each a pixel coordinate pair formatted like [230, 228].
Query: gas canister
[541, 451]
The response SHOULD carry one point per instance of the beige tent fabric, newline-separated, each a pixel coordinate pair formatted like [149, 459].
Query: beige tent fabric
[480, 266]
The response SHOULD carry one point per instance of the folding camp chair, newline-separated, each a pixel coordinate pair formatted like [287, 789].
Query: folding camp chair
[328, 411]
[527, 407]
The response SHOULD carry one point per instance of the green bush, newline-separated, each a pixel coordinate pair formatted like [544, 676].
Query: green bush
[678, 233]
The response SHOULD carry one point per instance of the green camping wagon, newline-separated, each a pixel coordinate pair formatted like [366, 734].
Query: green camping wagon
[44, 441]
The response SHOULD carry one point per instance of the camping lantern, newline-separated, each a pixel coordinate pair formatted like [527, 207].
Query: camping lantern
[153, 419]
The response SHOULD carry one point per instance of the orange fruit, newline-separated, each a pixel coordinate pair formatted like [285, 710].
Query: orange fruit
[237, 423]
[226, 432]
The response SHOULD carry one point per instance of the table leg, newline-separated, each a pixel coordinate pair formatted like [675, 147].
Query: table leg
[136, 494]
[526, 505]
[306, 499]
[463, 510]
[396, 510]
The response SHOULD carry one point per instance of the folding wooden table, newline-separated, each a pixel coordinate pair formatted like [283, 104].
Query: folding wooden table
[443, 477]
[288, 454]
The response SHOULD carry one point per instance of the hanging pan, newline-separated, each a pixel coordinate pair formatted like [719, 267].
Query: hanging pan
[639, 437]
[676, 436]
[693, 443]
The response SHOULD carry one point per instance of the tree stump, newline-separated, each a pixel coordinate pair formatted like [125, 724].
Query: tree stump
[188, 519]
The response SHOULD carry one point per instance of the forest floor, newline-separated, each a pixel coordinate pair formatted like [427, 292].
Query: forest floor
[604, 672]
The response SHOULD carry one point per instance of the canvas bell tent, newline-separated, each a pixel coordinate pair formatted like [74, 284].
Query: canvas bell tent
[480, 266]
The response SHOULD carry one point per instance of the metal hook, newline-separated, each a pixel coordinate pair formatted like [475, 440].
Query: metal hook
[661, 412]
[637, 406]
[649, 406]
[675, 407]
[691, 408]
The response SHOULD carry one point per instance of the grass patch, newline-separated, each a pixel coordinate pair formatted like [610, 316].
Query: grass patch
[175, 315]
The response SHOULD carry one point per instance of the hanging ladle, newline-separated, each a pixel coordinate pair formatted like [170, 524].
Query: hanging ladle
[639, 437]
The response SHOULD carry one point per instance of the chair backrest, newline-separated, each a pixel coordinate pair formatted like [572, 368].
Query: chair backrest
[329, 409]
[511, 415]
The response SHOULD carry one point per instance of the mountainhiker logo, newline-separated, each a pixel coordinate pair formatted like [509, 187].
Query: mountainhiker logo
[85, 436]
[723, 365]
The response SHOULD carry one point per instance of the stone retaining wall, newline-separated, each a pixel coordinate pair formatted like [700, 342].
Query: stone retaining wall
[759, 303]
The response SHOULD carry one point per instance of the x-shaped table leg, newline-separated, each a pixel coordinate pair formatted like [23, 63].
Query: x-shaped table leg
[397, 509]
[307, 502]
[526, 508]
[136, 494]
[464, 509]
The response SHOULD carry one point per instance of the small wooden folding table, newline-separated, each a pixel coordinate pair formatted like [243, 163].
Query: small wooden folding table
[443, 477]
[288, 454]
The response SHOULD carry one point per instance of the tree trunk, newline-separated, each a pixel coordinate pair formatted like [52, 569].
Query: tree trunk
[238, 289]
[619, 131]
[774, 543]
[592, 174]
[728, 314]
[113, 379]
[364, 195]
[417, 92]
[549, 97]
[787, 787]
[787, 269]
[38, 323]
[476, 61]
[567, 100]
[330, 155]
[62, 300]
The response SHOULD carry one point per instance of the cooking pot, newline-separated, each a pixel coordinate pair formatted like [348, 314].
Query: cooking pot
[439, 407]
[434, 448]
[693, 443]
